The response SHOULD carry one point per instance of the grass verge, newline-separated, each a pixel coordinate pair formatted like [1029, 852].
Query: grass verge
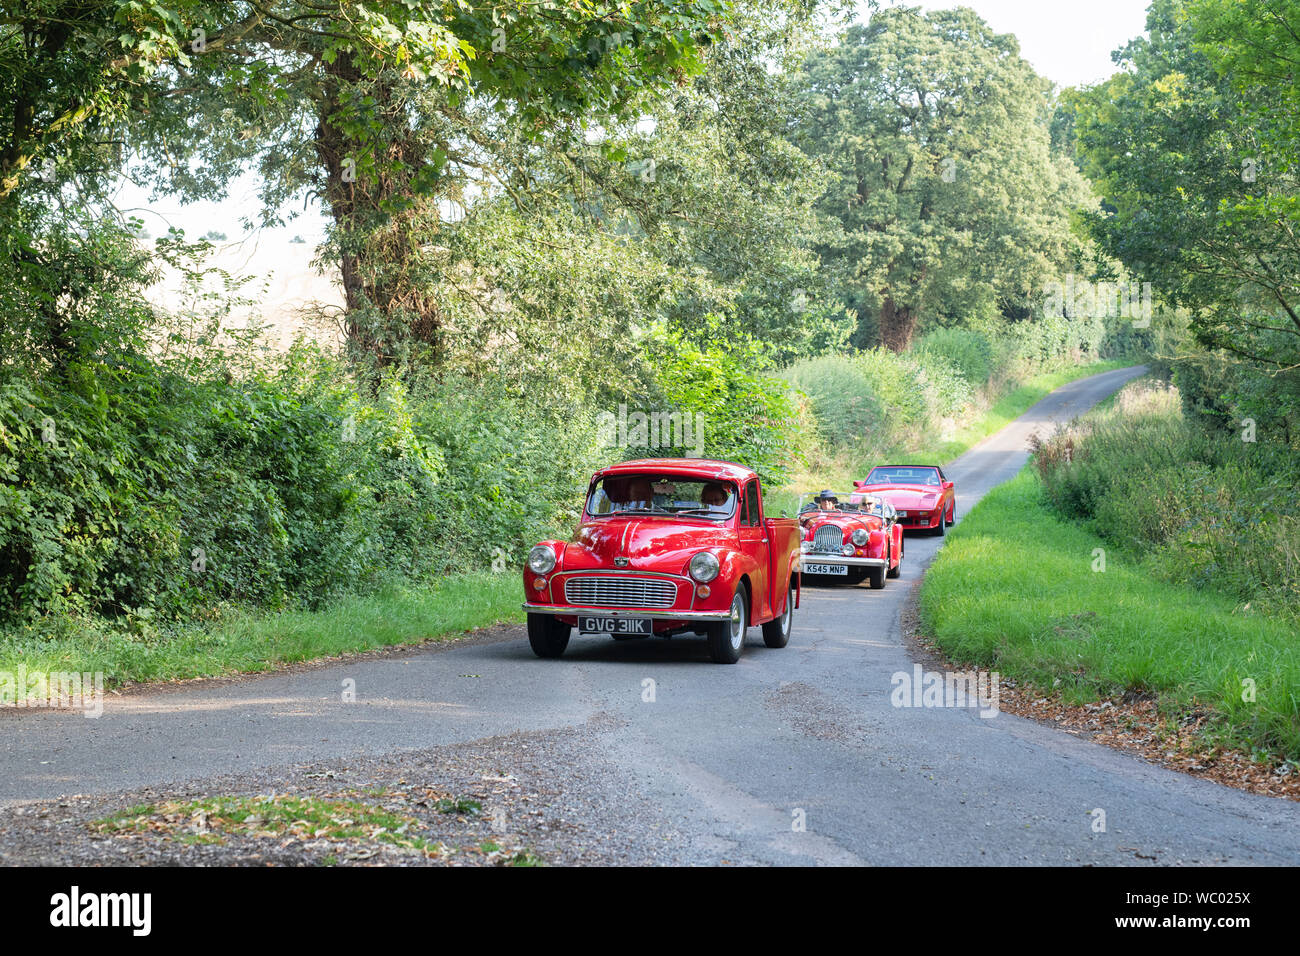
[1014, 590]
[250, 642]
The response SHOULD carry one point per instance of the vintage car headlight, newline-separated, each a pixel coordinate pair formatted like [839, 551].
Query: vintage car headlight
[860, 536]
[847, 549]
[805, 546]
[541, 560]
[704, 567]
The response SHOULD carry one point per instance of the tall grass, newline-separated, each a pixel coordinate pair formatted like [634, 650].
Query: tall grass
[1193, 507]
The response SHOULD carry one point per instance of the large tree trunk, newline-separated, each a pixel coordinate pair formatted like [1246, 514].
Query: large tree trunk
[386, 306]
[897, 325]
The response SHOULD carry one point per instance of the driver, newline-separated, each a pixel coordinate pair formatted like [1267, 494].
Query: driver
[714, 495]
[642, 495]
[826, 501]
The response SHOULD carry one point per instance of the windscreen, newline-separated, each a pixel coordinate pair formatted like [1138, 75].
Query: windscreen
[662, 496]
[903, 475]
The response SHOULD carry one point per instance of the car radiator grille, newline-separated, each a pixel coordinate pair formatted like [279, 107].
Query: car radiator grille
[829, 537]
[620, 592]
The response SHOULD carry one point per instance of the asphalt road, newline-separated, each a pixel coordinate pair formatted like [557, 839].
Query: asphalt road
[791, 756]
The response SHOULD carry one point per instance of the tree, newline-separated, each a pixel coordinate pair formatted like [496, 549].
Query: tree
[946, 195]
[396, 113]
[1199, 197]
[70, 72]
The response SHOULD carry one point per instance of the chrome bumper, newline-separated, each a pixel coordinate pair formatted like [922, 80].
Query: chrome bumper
[657, 615]
[840, 559]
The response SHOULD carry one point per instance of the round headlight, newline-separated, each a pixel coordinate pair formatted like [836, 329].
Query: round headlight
[704, 567]
[541, 559]
[805, 546]
[860, 536]
[847, 549]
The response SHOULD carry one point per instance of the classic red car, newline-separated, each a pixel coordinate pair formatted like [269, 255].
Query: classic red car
[667, 546]
[851, 536]
[921, 494]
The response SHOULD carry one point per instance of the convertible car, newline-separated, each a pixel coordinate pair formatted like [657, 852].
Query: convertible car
[850, 537]
[921, 494]
[667, 546]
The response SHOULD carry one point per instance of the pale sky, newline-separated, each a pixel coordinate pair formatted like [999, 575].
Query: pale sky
[1067, 41]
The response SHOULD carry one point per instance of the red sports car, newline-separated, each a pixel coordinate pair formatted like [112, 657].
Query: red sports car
[852, 537]
[921, 494]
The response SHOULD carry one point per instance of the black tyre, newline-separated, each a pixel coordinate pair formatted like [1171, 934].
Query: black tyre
[727, 638]
[896, 571]
[942, 529]
[877, 578]
[776, 633]
[547, 635]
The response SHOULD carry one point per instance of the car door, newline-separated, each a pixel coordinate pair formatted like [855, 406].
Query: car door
[754, 546]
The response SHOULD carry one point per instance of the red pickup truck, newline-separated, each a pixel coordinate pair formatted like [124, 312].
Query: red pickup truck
[667, 546]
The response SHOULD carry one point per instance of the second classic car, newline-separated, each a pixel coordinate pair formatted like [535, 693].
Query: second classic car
[850, 537]
[921, 494]
[667, 546]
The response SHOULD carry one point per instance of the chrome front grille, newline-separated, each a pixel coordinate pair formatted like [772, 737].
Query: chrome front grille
[618, 591]
[828, 537]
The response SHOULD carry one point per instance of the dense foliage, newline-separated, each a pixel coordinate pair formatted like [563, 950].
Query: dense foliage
[812, 242]
[1193, 149]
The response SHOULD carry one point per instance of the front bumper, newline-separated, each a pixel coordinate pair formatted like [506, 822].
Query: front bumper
[658, 614]
[810, 558]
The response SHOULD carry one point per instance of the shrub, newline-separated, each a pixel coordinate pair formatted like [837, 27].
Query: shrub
[970, 352]
[748, 417]
[841, 396]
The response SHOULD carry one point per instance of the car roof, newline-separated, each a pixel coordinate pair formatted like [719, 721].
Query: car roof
[698, 467]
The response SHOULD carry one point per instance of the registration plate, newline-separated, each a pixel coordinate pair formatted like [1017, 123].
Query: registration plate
[615, 625]
[825, 569]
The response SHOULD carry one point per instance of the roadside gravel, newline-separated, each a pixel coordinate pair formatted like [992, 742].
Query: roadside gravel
[543, 797]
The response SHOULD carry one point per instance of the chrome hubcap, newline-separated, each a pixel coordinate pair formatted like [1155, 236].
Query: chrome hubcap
[737, 621]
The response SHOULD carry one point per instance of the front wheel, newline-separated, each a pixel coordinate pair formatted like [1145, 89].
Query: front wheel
[943, 525]
[727, 638]
[877, 577]
[897, 569]
[548, 635]
[776, 633]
